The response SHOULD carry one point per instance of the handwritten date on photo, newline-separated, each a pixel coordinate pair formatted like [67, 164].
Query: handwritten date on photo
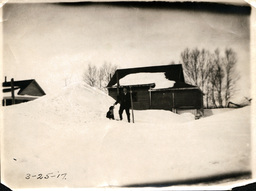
[50, 175]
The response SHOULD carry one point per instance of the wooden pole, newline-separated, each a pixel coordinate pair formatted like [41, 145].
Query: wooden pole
[117, 80]
[150, 99]
[12, 90]
[131, 104]
[173, 103]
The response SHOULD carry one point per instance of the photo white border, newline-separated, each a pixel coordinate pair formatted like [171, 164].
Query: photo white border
[252, 3]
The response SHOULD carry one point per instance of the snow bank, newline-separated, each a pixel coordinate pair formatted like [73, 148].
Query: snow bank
[68, 133]
[188, 116]
[216, 111]
[160, 117]
[147, 78]
[72, 104]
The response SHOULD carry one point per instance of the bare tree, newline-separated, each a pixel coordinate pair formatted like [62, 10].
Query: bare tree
[214, 74]
[211, 87]
[90, 75]
[185, 60]
[218, 74]
[195, 54]
[197, 64]
[230, 60]
[105, 72]
[99, 77]
[204, 64]
[190, 60]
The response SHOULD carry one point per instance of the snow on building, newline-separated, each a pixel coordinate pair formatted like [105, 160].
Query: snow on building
[157, 87]
[27, 90]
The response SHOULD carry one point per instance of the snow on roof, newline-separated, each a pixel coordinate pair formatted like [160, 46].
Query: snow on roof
[147, 78]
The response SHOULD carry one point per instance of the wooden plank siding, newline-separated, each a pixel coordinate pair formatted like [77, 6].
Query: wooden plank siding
[187, 99]
[178, 99]
[8, 100]
[164, 99]
[161, 100]
[141, 99]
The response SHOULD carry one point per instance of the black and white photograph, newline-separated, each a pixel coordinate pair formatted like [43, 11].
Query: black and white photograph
[126, 94]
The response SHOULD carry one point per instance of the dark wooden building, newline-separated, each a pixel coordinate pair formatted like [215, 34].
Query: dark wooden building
[21, 91]
[180, 96]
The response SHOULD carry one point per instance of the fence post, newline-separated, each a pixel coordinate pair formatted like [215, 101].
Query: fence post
[131, 104]
[12, 90]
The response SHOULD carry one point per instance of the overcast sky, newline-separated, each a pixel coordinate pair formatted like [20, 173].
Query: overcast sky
[54, 42]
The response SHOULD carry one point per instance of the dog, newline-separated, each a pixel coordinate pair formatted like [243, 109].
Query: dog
[110, 113]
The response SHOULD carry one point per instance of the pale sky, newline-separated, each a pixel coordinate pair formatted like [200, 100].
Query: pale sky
[53, 42]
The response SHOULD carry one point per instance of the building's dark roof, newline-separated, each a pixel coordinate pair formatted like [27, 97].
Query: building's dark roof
[182, 85]
[172, 72]
[23, 84]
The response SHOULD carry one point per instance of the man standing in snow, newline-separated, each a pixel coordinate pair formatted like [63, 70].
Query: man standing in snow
[125, 104]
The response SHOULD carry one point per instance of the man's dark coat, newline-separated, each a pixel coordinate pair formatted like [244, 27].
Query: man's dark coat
[124, 100]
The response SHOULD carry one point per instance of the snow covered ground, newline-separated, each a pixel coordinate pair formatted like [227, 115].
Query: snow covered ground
[67, 132]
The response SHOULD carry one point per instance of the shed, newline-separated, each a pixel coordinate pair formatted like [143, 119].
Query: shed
[157, 87]
[27, 90]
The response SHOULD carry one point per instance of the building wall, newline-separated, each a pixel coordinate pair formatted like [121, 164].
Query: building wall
[140, 94]
[161, 100]
[185, 99]
[8, 101]
[188, 99]
[143, 100]
[166, 99]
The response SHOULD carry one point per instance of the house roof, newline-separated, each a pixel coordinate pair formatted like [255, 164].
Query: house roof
[172, 72]
[22, 85]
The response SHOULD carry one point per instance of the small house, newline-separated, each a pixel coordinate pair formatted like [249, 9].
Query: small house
[21, 91]
[157, 87]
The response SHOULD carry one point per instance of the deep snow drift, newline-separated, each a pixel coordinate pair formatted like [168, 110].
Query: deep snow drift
[68, 133]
